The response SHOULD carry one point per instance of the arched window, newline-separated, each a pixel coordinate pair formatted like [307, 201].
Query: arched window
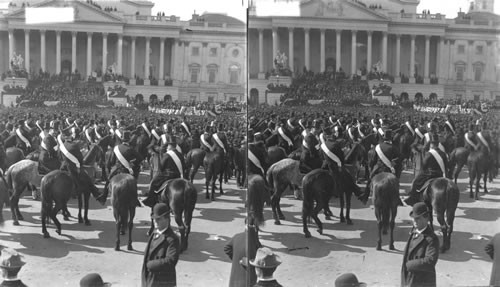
[478, 69]
[234, 74]
[212, 70]
[194, 71]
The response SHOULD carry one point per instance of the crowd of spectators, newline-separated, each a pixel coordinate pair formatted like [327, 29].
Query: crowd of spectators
[110, 9]
[116, 91]
[94, 4]
[17, 73]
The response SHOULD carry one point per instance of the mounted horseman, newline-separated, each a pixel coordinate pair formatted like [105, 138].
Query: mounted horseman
[155, 143]
[285, 136]
[48, 159]
[171, 167]
[23, 139]
[450, 134]
[435, 165]
[206, 140]
[123, 159]
[220, 140]
[310, 158]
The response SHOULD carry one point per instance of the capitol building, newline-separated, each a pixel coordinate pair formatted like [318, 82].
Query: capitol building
[202, 58]
[448, 56]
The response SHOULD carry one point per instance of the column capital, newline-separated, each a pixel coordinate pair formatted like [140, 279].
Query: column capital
[260, 30]
[162, 39]
[369, 32]
[42, 31]
[384, 33]
[322, 30]
[427, 37]
[11, 30]
[132, 38]
[398, 35]
[223, 45]
[105, 34]
[204, 44]
[148, 38]
[354, 32]
[58, 32]
[338, 31]
[27, 30]
[120, 36]
[306, 30]
[412, 36]
[290, 29]
[275, 29]
[73, 33]
[89, 34]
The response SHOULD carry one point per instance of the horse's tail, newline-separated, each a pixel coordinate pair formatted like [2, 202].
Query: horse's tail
[386, 212]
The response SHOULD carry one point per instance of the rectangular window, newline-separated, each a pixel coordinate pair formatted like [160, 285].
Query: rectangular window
[458, 97]
[461, 49]
[478, 72]
[210, 99]
[213, 52]
[477, 98]
[479, 50]
[233, 77]
[194, 75]
[497, 98]
[211, 76]
[460, 73]
[194, 96]
[195, 51]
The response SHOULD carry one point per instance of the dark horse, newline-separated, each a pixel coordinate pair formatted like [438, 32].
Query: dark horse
[56, 188]
[442, 196]
[481, 163]
[257, 195]
[457, 160]
[240, 165]
[20, 176]
[123, 187]
[319, 186]
[194, 160]
[181, 195]
[214, 166]
[13, 155]
[4, 198]
[385, 188]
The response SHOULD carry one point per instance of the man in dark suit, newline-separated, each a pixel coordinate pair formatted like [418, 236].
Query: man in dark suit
[236, 249]
[491, 248]
[10, 264]
[265, 264]
[421, 252]
[162, 251]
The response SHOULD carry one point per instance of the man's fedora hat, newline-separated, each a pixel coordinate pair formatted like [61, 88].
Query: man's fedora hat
[265, 258]
[11, 259]
[348, 280]
[160, 210]
[419, 209]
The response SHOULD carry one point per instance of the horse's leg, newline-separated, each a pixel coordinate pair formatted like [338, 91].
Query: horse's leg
[14, 201]
[394, 212]
[86, 197]
[118, 223]
[348, 196]
[315, 212]
[342, 202]
[306, 212]
[471, 180]
[213, 179]
[208, 177]
[53, 216]
[485, 179]
[444, 228]
[450, 217]
[478, 180]
[457, 171]
[80, 203]
[221, 175]
[275, 203]
[46, 211]
[378, 215]
[182, 227]
[188, 216]
[131, 213]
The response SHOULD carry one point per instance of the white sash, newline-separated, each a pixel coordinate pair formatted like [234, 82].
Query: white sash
[373, 123]
[38, 125]
[301, 124]
[304, 144]
[289, 124]
[164, 138]
[122, 160]
[350, 134]
[340, 124]
[450, 126]
[483, 140]
[331, 155]
[419, 133]
[304, 133]
[177, 161]
[20, 135]
[427, 137]
[322, 138]
[204, 142]
[178, 148]
[146, 129]
[183, 124]
[410, 128]
[283, 135]
[117, 123]
[88, 136]
[76, 124]
[360, 132]
[375, 130]
[165, 127]
[109, 124]
[255, 161]
[441, 147]
[67, 121]
[52, 123]
[217, 139]
[439, 160]
[66, 153]
[381, 131]
[118, 133]
[42, 135]
[467, 139]
[381, 121]
[384, 158]
[43, 145]
[331, 120]
[97, 133]
[112, 131]
[155, 134]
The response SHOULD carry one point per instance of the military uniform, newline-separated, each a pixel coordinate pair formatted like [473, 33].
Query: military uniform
[48, 159]
[309, 157]
[23, 141]
[256, 163]
[285, 139]
[206, 140]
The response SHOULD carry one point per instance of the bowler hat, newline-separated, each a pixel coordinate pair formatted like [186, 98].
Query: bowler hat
[10, 259]
[265, 258]
[348, 280]
[93, 280]
[160, 209]
[125, 136]
[435, 138]
[419, 209]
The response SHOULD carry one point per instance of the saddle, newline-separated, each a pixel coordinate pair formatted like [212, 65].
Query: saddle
[425, 186]
[163, 187]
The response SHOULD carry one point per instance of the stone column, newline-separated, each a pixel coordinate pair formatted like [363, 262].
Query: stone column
[489, 73]
[173, 57]
[412, 59]
[73, 51]
[338, 34]
[353, 51]
[186, 61]
[384, 52]
[369, 51]
[322, 51]
[439, 58]
[275, 43]
[470, 67]
[146, 62]
[451, 63]
[42, 50]
[104, 53]
[11, 46]
[27, 50]
[203, 70]
[307, 53]
[427, 56]
[89, 53]
[398, 59]
[132, 59]
[290, 49]
[119, 65]
[261, 54]
[58, 52]
[161, 76]
[223, 69]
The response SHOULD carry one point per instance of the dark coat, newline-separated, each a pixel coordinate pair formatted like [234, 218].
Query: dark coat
[160, 257]
[391, 152]
[272, 283]
[420, 259]
[236, 249]
[16, 283]
[490, 248]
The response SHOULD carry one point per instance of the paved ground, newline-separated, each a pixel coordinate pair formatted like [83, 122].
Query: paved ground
[63, 260]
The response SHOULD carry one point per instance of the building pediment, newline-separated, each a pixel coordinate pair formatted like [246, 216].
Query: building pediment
[338, 9]
[83, 12]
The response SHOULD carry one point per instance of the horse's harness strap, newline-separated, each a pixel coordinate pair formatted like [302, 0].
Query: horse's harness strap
[384, 158]
[177, 162]
[255, 161]
[439, 160]
[122, 159]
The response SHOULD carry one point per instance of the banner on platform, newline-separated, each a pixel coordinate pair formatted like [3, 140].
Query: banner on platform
[51, 103]
[449, 109]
